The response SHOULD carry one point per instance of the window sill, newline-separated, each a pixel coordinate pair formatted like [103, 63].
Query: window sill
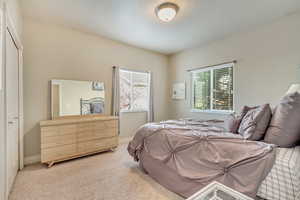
[212, 111]
[134, 111]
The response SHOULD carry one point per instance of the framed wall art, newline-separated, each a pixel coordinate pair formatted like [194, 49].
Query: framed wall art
[178, 91]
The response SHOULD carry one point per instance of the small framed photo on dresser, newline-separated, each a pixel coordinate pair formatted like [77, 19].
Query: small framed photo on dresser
[98, 86]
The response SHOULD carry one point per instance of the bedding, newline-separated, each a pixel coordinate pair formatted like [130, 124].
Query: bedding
[233, 122]
[284, 129]
[186, 156]
[283, 181]
[255, 122]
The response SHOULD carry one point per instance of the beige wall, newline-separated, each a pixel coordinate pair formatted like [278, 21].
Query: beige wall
[15, 14]
[268, 62]
[56, 52]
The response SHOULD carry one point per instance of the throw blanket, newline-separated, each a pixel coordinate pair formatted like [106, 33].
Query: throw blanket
[186, 156]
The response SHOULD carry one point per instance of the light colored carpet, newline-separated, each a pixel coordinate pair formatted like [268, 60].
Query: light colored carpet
[105, 176]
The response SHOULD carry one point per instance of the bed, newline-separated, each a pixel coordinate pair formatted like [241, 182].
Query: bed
[186, 156]
[283, 181]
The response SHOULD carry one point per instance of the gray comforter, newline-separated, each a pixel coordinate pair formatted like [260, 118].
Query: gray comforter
[185, 157]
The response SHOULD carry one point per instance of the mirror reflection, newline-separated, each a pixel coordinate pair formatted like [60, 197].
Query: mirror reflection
[71, 97]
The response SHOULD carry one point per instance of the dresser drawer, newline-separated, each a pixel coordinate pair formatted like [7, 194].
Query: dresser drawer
[58, 153]
[58, 130]
[96, 134]
[97, 145]
[53, 141]
[88, 127]
[99, 125]
[111, 132]
[111, 124]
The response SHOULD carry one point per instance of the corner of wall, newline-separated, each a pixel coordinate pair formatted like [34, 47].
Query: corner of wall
[32, 159]
[169, 85]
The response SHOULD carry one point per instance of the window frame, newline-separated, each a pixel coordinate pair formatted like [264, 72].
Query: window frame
[211, 69]
[131, 92]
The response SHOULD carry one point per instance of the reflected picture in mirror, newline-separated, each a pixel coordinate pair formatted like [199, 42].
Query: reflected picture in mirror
[71, 98]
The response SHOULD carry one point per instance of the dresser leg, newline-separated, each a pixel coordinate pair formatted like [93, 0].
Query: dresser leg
[50, 164]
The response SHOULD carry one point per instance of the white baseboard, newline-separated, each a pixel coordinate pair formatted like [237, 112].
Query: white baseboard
[32, 159]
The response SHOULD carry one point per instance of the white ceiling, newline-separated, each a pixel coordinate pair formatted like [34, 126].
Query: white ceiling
[134, 21]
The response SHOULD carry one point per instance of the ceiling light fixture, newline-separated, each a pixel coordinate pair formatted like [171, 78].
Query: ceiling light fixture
[166, 11]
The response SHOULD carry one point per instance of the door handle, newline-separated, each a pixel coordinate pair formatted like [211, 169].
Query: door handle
[10, 122]
[16, 117]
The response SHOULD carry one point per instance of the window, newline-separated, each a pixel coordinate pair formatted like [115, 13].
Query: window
[134, 91]
[212, 88]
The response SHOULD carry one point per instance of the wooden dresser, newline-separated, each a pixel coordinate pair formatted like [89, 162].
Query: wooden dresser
[68, 138]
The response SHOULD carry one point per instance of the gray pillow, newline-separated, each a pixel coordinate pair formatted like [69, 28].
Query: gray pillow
[284, 129]
[97, 108]
[233, 122]
[255, 123]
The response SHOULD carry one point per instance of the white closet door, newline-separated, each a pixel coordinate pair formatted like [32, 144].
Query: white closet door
[12, 98]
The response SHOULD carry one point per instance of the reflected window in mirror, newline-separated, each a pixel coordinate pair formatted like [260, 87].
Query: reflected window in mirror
[134, 91]
[71, 98]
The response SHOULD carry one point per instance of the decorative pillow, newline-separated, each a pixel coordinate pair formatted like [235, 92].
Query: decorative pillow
[255, 123]
[97, 108]
[233, 122]
[85, 109]
[284, 129]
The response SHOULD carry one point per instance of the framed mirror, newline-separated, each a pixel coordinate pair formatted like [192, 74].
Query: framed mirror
[71, 98]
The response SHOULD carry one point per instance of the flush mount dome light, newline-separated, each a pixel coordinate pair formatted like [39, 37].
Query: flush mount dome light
[166, 11]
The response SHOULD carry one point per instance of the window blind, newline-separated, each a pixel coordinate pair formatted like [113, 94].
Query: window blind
[212, 88]
[223, 89]
[202, 90]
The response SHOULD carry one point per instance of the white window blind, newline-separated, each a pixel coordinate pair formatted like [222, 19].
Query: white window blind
[134, 91]
[212, 88]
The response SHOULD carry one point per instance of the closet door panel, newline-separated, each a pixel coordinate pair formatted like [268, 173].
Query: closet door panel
[12, 101]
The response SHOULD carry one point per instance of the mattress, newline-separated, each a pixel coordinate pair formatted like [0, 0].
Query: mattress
[283, 181]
